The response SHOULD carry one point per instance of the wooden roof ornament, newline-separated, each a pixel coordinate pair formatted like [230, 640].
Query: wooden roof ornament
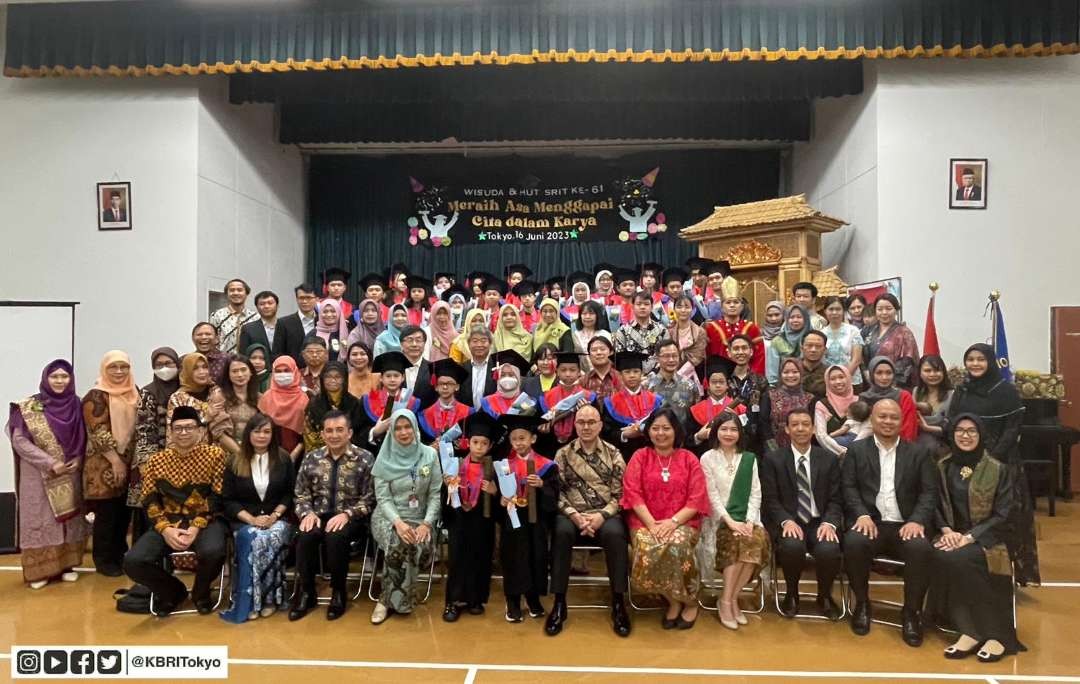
[768, 215]
[829, 283]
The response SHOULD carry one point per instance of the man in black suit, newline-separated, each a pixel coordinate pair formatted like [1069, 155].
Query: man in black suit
[266, 331]
[890, 491]
[297, 326]
[968, 191]
[417, 376]
[481, 378]
[115, 213]
[800, 492]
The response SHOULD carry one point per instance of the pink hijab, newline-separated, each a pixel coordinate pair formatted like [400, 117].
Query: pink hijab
[325, 331]
[840, 402]
[285, 404]
[442, 336]
[123, 399]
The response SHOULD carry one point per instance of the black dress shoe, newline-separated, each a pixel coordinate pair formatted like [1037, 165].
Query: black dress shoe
[164, 607]
[302, 605]
[337, 605]
[109, 570]
[912, 629]
[620, 619]
[476, 609]
[536, 609]
[451, 613]
[556, 618]
[681, 623]
[669, 623]
[203, 605]
[860, 618]
[513, 611]
[828, 607]
[789, 607]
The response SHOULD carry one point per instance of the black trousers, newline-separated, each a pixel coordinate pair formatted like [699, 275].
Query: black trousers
[791, 556]
[611, 537]
[859, 550]
[143, 563]
[111, 520]
[337, 551]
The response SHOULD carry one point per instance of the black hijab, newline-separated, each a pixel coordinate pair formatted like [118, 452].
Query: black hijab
[967, 458]
[159, 388]
[875, 392]
[988, 396]
[322, 404]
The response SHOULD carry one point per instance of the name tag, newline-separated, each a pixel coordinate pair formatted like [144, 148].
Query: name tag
[414, 502]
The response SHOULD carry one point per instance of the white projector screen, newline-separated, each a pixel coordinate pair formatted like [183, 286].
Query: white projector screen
[39, 332]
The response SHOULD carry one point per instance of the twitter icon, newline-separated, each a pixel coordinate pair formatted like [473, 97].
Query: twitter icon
[109, 662]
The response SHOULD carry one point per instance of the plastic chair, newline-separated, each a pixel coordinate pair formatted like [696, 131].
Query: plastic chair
[774, 582]
[188, 560]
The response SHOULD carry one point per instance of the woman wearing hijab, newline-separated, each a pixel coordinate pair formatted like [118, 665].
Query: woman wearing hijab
[408, 480]
[197, 390]
[286, 403]
[109, 410]
[150, 423]
[510, 334]
[774, 320]
[390, 339]
[972, 577]
[330, 326]
[579, 294]
[48, 436]
[369, 327]
[460, 350]
[996, 402]
[890, 338]
[361, 378]
[830, 412]
[788, 343]
[332, 396]
[882, 379]
[781, 400]
[440, 333]
[550, 329]
[259, 356]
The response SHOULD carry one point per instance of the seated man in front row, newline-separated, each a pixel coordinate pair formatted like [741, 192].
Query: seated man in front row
[890, 492]
[335, 495]
[181, 490]
[590, 487]
[803, 509]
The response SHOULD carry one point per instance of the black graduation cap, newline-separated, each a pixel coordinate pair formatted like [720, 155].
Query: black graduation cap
[524, 270]
[698, 264]
[445, 274]
[721, 266]
[453, 290]
[578, 277]
[481, 424]
[512, 421]
[630, 360]
[719, 364]
[553, 281]
[511, 357]
[373, 279]
[335, 273]
[604, 266]
[621, 275]
[496, 283]
[652, 266]
[568, 357]
[390, 361]
[526, 288]
[473, 277]
[417, 282]
[449, 368]
[399, 268]
[675, 274]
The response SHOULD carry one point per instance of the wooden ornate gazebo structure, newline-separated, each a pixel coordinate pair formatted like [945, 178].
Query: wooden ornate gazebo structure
[771, 245]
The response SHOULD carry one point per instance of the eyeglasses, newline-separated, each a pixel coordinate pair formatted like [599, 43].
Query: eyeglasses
[587, 423]
[184, 429]
[966, 432]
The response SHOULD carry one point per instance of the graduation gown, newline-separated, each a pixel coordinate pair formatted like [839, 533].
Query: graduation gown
[496, 404]
[620, 410]
[702, 413]
[373, 409]
[523, 552]
[720, 333]
[562, 429]
[472, 538]
[435, 420]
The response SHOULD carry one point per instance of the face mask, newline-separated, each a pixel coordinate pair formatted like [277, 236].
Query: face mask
[165, 373]
[283, 379]
[508, 383]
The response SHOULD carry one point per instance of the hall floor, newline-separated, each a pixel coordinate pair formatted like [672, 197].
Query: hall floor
[487, 649]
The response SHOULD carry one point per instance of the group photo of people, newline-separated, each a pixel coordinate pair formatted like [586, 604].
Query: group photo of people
[497, 433]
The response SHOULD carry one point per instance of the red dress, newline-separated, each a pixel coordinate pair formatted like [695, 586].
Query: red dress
[643, 483]
[720, 333]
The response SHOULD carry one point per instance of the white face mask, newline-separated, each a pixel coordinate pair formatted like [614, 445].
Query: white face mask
[508, 383]
[283, 379]
[166, 373]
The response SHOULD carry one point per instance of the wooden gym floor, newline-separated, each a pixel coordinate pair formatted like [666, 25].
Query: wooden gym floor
[487, 649]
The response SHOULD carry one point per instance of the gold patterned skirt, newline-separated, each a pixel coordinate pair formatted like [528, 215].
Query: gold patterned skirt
[666, 568]
[49, 561]
[731, 549]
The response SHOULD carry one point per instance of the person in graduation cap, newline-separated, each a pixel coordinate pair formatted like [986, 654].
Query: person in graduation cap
[717, 400]
[723, 328]
[649, 279]
[373, 286]
[625, 410]
[472, 526]
[510, 368]
[379, 403]
[474, 283]
[418, 303]
[443, 280]
[515, 273]
[697, 268]
[458, 298]
[673, 280]
[446, 411]
[495, 290]
[525, 293]
[580, 292]
[335, 284]
[715, 272]
[523, 552]
[399, 289]
[621, 307]
[553, 288]
[568, 372]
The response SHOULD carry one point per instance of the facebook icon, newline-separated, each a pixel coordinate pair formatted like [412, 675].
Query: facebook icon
[81, 663]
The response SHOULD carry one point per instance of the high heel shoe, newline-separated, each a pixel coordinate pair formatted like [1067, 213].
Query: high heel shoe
[737, 611]
[721, 605]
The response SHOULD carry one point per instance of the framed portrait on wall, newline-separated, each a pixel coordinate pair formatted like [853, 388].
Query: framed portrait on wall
[875, 288]
[114, 206]
[967, 183]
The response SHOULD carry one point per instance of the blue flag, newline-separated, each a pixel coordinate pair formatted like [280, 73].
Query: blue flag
[1001, 345]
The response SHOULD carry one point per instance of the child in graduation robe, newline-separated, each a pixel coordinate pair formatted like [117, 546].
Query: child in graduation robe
[447, 411]
[523, 552]
[717, 400]
[568, 373]
[525, 293]
[379, 403]
[472, 526]
[626, 408]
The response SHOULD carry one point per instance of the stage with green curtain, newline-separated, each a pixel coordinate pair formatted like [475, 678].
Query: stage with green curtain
[360, 207]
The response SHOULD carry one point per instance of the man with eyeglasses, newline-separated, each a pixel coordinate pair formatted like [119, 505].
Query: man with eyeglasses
[890, 492]
[590, 487]
[181, 490]
[297, 326]
[675, 390]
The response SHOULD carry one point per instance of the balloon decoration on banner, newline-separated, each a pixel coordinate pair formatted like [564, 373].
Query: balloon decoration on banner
[432, 220]
[638, 208]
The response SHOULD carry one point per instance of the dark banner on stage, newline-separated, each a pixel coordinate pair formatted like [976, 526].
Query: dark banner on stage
[566, 207]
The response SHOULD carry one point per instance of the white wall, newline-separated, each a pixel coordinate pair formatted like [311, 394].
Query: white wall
[1021, 114]
[251, 200]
